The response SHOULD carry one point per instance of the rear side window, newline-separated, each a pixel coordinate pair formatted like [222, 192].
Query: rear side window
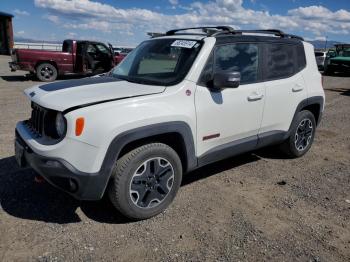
[284, 60]
[102, 48]
[67, 47]
[240, 57]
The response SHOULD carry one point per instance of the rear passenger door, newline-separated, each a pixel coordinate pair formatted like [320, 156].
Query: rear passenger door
[285, 86]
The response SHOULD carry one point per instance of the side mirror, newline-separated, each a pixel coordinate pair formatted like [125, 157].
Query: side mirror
[227, 80]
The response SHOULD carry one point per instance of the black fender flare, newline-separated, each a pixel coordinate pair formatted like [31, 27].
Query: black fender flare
[121, 140]
[314, 100]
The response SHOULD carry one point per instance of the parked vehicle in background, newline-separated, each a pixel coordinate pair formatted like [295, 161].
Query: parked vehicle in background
[177, 103]
[118, 57]
[76, 57]
[320, 59]
[338, 60]
[120, 53]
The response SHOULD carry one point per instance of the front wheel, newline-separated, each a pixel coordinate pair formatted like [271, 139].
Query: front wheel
[302, 135]
[145, 181]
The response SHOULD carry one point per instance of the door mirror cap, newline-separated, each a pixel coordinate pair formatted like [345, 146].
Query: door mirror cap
[227, 80]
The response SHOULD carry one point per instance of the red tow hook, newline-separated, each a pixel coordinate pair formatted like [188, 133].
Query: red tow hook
[39, 179]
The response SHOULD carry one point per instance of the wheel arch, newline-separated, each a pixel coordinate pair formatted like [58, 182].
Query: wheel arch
[49, 62]
[177, 135]
[314, 105]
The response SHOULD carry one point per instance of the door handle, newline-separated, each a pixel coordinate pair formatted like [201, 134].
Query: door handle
[297, 88]
[255, 97]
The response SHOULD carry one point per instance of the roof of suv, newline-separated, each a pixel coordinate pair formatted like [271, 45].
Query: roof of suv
[225, 34]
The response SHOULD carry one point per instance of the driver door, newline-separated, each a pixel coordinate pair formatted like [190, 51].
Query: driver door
[228, 119]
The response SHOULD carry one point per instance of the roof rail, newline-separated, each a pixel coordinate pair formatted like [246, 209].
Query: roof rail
[274, 32]
[224, 30]
[155, 34]
[208, 30]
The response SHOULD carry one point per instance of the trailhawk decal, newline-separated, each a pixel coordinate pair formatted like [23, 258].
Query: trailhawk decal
[184, 43]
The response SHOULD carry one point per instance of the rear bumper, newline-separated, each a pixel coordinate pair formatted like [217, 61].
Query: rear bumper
[61, 174]
[14, 66]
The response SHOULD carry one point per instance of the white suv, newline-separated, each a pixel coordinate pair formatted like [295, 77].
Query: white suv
[177, 102]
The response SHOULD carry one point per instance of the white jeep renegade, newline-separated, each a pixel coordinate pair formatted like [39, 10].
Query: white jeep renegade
[177, 102]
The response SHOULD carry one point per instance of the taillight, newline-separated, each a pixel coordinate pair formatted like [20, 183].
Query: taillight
[14, 55]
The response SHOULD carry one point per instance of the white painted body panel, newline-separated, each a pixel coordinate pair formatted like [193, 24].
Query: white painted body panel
[65, 98]
[103, 122]
[228, 113]
[311, 75]
[281, 102]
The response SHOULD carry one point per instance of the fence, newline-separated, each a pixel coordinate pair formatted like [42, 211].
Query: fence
[49, 46]
[41, 46]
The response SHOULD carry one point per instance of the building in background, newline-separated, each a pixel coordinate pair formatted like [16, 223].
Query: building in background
[6, 33]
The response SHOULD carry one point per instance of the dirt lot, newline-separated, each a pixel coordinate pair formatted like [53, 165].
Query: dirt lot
[256, 207]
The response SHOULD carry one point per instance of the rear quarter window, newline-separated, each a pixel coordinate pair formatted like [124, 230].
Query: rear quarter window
[284, 60]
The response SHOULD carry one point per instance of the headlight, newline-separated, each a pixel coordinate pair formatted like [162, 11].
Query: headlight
[60, 124]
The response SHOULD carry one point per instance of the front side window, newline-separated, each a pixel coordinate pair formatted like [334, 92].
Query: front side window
[158, 62]
[239, 57]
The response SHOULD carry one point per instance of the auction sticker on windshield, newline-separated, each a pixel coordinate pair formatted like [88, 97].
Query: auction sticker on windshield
[183, 43]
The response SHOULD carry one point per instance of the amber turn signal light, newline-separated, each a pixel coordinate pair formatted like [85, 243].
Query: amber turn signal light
[79, 126]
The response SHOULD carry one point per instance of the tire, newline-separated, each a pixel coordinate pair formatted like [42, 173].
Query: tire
[328, 71]
[302, 135]
[46, 72]
[145, 181]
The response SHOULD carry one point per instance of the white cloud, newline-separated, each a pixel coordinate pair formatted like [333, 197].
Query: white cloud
[20, 33]
[53, 18]
[174, 2]
[320, 13]
[20, 12]
[71, 35]
[312, 21]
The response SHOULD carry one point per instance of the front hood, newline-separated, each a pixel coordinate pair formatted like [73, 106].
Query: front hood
[63, 95]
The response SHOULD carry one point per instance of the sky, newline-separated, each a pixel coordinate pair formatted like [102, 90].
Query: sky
[126, 22]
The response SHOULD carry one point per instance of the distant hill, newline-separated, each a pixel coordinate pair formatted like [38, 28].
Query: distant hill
[321, 44]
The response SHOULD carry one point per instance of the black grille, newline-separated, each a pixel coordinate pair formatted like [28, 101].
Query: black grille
[36, 121]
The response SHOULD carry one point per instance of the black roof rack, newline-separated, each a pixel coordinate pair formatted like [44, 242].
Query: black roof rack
[207, 30]
[225, 30]
[155, 34]
[274, 32]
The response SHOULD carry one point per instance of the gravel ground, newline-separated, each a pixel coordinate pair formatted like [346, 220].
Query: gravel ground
[256, 207]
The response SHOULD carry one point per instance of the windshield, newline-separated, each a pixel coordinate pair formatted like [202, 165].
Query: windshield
[158, 62]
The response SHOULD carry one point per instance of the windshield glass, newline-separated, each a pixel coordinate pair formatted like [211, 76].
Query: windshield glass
[158, 62]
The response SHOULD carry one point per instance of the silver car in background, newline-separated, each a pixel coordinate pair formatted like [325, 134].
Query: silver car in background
[320, 59]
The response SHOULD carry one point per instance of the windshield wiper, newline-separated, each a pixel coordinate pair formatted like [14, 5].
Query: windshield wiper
[138, 80]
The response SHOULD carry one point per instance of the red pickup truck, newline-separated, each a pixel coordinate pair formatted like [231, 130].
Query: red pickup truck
[76, 57]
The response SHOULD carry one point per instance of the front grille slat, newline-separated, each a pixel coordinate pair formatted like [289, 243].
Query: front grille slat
[36, 122]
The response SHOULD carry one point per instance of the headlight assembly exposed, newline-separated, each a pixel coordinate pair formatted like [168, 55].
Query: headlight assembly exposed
[60, 125]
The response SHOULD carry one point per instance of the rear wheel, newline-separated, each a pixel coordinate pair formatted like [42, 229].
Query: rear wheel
[145, 181]
[302, 135]
[46, 72]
